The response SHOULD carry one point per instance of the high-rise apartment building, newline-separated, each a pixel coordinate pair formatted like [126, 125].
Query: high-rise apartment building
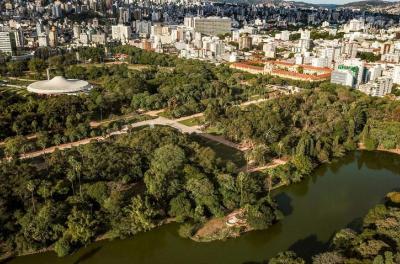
[269, 50]
[121, 33]
[396, 74]
[380, 87]
[188, 22]
[53, 37]
[6, 42]
[245, 42]
[19, 38]
[213, 25]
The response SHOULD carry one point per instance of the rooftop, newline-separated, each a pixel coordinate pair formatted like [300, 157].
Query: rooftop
[59, 85]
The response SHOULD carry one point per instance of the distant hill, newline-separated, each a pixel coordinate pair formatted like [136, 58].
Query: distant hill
[369, 5]
[362, 4]
[377, 6]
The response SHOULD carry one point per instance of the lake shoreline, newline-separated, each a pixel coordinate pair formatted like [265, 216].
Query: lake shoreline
[234, 232]
[10, 256]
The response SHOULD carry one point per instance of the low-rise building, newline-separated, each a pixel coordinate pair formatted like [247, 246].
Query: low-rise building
[380, 87]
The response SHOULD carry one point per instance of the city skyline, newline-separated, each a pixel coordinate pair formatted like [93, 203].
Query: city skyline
[131, 131]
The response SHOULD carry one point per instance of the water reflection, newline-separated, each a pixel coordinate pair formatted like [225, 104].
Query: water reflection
[87, 255]
[336, 196]
[284, 203]
[308, 247]
[376, 160]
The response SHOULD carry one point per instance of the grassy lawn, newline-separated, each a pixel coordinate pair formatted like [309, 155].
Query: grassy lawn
[195, 121]
[19, 91]
[127, 119]
[165, 114]
[224, 152]
[18, 82]
[214, 131]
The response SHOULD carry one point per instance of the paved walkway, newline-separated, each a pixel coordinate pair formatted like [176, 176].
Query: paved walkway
[162, 121]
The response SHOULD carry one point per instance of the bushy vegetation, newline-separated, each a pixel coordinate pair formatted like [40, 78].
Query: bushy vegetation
[118, 188]
[262, 80]
[316, 34]
[368, 56]
[385, 134]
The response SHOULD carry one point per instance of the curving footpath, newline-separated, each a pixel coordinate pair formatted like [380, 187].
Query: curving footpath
[161, 121]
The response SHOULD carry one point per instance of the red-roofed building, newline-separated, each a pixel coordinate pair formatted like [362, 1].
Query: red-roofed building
[247, 67]
[285, 70]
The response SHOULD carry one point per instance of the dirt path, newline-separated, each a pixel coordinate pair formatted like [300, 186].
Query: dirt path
[396, 151]
[211, 227]
[274, 163]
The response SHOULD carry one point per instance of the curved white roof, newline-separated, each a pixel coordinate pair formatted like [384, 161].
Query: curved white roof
[59, 85]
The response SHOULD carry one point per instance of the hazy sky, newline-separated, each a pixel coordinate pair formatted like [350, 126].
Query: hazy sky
[338, 2]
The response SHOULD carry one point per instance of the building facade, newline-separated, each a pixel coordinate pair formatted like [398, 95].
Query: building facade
[212, 25]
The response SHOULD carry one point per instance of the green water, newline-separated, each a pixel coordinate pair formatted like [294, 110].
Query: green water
[336, 196]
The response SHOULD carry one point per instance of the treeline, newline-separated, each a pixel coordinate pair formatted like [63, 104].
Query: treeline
[56, 59]
[263, 80]
[377, 242]
[368, 56]
[384, 134]
[317, 34]
[13, 147]
[140, 56]
[313, 126]
[121, 187]
[25, 115]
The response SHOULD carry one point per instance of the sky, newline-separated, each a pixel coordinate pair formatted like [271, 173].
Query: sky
[337, 2]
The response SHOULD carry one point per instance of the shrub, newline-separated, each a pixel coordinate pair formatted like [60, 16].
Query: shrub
[62, 247]
[187, 230]
[370, 143]
[394, 197]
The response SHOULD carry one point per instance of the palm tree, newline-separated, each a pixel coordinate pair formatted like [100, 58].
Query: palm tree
[241, 178]
[280, 146]
[31, 187]
[71, 177]
[77, 167]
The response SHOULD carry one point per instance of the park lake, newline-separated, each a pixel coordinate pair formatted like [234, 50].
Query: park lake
[337, 195]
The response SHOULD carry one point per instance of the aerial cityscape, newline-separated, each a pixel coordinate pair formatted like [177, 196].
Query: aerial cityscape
[196, 131]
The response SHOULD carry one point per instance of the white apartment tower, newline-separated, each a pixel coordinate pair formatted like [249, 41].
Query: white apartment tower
[121, 33]
[5, 42]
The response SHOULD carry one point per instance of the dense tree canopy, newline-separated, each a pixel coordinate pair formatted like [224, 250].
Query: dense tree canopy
[312, 127]
[118, 188]
[185, 89]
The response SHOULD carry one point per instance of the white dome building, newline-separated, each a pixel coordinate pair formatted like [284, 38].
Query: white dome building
[59, 85]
